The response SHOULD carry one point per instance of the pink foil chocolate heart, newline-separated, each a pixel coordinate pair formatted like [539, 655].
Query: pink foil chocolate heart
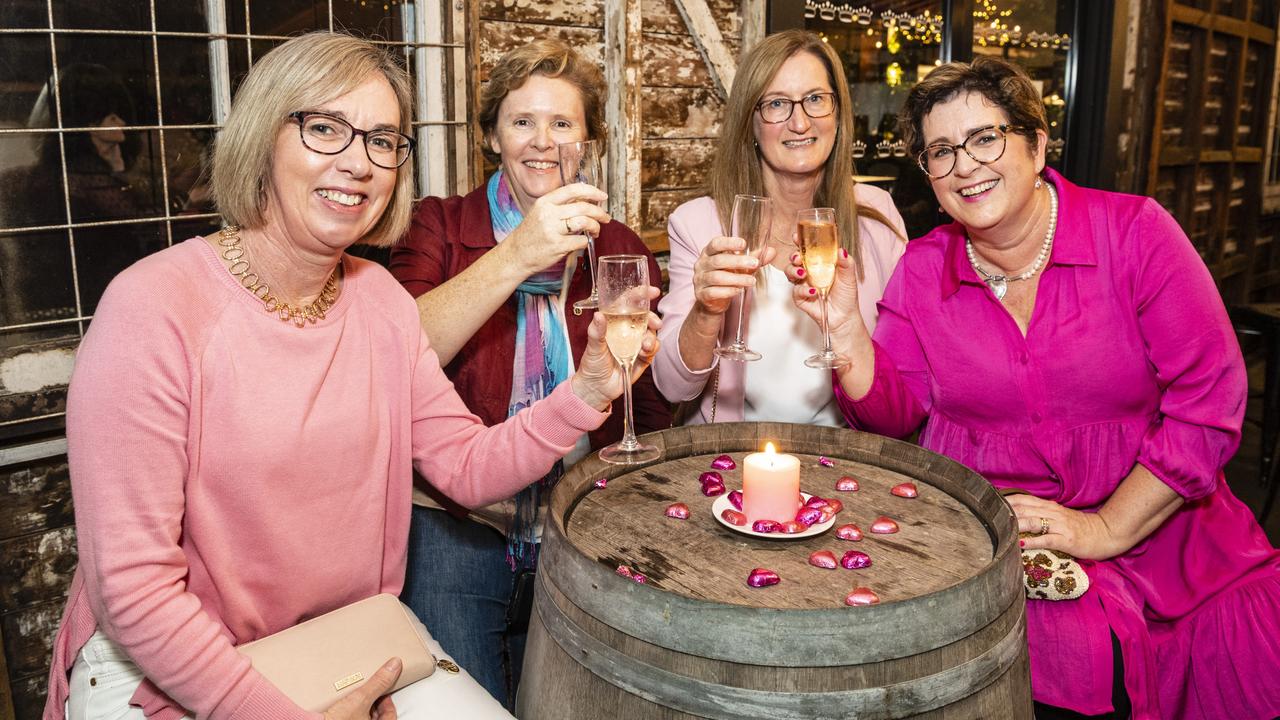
[849, 532]
[735, 499]
[711, 476]
[847, 484]
[855, 560]
[816, 501]
[639, 578]
[733, 517]
[825, 461]
[861, 596]
[712, 489]
[823, 559]
[601, 483]
[905, 490]
[760, 577]
[808, 515]
[791, 527]
[724, 462]
[766, 526]
[624, 571]
[835, 504]
[679, 511]
[826, 513]
[884, 526]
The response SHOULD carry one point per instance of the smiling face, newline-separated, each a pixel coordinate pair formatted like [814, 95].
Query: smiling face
[532, 120]
[991, 197]
[332, 201]
[801, 145]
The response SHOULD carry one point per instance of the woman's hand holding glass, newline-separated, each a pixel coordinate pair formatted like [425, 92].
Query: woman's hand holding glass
[599, 377]
[558, 223]
[849, 335]
[723, 271]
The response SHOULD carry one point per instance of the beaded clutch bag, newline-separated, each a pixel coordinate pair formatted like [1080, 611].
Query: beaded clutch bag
[1051, 574]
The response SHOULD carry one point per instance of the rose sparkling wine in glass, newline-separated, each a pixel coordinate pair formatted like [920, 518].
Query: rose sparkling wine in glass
[751, 222]
[580, 162]
[624, 301]
[820, 243]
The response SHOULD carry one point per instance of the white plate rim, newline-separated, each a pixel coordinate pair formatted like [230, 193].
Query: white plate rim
[722, 502]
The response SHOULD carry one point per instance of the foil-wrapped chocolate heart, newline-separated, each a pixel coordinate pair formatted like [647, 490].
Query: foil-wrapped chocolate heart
[791, 527]
[809, 515]
[733, 517]
[861, 596]
[825, 461]
[766, 526]
[723, 462]
[712, 489]
[884, 526]
[735, 499]
[823, 559]
[711, 476]
[601, 483]
[849, 532]
[679, 511]
[905, 490]
[847, 484]
[760, 577]
[815, 501]
[640, 578]
[826, 513]
[855, 560]
[624, 571]
[835, 504]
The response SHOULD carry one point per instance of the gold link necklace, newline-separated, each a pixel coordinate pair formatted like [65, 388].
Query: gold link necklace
[233, 253]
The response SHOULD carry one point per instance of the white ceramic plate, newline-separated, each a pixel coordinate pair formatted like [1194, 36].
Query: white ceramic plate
[722, 503]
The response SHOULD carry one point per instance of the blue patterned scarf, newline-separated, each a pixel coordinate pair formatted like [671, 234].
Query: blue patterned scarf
[541, 363]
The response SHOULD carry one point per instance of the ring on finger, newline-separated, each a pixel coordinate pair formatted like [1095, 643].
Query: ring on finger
[568, 229]
[1044, 526]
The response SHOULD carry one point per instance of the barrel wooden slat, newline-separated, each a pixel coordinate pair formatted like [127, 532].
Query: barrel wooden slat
[948, 640]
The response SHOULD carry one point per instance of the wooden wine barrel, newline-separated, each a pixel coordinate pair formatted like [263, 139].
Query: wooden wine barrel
[947, 640]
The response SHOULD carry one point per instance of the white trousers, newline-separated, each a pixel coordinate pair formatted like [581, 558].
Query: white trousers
[104, 678]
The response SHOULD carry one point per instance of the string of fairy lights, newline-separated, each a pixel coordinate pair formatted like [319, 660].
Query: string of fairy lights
[993, 25]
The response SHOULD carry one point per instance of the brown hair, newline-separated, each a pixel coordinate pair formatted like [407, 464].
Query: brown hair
[736, 166]
[551, 58]
[1002, 83]
[304, 72]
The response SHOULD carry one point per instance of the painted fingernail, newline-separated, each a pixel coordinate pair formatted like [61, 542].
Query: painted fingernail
[1022, 543]
[813, 291]
[795, 256]
[800, 272]
[845, 252]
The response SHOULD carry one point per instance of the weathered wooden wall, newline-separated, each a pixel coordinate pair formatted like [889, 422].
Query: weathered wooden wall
[681, 109]
[37, 558]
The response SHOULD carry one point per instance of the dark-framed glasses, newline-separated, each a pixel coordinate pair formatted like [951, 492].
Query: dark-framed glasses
[779, 110]
[985, 145]
[329, 135]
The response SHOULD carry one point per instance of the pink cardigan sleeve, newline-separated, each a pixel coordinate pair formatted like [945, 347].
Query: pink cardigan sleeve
[689, 229]
[476, 465]
[127, 424]
[1192, 347]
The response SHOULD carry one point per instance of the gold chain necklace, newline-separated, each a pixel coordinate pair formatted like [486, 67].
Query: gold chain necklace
[233, 252]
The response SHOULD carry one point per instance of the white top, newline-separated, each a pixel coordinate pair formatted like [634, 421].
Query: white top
[779, 388]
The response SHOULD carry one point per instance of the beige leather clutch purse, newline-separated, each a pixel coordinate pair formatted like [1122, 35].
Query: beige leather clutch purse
[317, 662]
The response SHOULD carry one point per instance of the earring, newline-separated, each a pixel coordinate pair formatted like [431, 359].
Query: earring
[1039, 183]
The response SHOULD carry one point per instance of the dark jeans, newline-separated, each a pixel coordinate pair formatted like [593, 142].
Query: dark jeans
[459, 584]
[1119, 696]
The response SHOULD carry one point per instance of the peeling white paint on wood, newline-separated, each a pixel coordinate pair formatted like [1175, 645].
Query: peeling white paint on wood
[35, 371]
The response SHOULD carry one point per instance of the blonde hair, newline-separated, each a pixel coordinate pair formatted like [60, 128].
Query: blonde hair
[303, 73]
[736, 167]
[551, 58]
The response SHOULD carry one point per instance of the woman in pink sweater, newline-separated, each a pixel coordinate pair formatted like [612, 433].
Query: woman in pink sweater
[248, 408]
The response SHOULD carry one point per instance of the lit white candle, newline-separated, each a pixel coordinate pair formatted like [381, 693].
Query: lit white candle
[770, 485]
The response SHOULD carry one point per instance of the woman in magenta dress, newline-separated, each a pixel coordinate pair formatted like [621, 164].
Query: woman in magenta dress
[1070, 343]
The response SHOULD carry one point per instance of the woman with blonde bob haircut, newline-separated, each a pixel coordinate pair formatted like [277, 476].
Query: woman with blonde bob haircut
[492, 272]
[247, 412]
[787, 135]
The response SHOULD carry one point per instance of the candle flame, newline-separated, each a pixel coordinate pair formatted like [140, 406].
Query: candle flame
[769, 449]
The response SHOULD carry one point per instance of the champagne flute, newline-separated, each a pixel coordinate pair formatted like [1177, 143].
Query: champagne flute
[751, 221]
[580, 162]
[624, 300]
[819, 243]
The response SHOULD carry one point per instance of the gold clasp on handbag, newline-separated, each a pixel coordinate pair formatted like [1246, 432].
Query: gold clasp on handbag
[447, 666]
[349, 680]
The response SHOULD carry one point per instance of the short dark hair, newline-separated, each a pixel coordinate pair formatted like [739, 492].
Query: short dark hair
[1006, 85]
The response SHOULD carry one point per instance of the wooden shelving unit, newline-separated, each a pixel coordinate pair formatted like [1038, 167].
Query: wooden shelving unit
[1207, 150]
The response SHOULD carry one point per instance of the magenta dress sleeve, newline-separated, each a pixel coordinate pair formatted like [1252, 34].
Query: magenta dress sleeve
[898, 400]
[1193, 350]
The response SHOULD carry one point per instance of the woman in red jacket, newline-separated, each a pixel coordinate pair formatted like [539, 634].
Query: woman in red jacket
[493, 272]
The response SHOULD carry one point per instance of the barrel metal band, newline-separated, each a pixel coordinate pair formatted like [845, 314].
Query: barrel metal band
[721, 702]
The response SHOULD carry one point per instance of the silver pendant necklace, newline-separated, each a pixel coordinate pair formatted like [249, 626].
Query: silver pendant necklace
[999, 284]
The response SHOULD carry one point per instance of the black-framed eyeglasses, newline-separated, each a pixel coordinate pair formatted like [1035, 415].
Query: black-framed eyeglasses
[329, 135]
[779, 110]
[985, 145]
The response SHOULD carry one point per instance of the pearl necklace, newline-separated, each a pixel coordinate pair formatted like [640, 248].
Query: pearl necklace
[233, 252]
[999, 284]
